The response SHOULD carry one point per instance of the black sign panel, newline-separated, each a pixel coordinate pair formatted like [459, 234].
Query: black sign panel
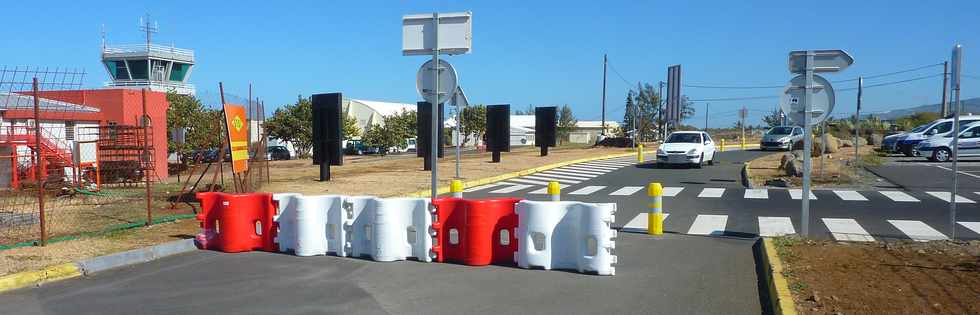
[423, 122]
[545, 126]
[328, 133]
[498, 128]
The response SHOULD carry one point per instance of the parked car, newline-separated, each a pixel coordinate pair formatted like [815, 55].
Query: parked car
[687, 147]
[357, 147]
[781, 138]
[889, 144]
[906, 145]
[278, 152]
[940, 148]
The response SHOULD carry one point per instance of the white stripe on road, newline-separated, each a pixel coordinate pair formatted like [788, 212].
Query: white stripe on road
[973, 226]
[756, 194]
[590, 169]
[544, 190]
[482, 187]
[850, 195]
[711, 193]
[587, 190]
[672, 191]
[847, 230]
[510, 189]
[798, 194]
[528, 181]
[944, 195]
[775, 226]
[707, 224]
[597, 167]
[567, 175]
[898, 196]
[569, 170]
[626, 191]
[639, 223]
[615, 164]
[547, 178]
[917, 230]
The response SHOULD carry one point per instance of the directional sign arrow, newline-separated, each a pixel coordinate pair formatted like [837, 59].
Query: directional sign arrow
[832, 60]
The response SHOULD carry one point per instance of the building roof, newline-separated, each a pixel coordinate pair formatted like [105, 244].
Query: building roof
[525, 121]
[386, 108]
[14, 101]
[596, 124]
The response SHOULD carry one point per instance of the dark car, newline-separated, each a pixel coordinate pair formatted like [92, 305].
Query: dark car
[278, 153]
[357, 147]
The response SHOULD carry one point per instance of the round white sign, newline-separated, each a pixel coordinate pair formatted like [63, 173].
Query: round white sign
[821, 100]
[425, 82]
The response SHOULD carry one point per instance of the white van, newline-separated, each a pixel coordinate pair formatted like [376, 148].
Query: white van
[907, 144]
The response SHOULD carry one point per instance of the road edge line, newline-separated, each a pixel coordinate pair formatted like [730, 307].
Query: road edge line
[506, 176]
[780, 297]
[36, 277]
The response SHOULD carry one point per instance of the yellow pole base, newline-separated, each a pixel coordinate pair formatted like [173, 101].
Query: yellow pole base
[655, 223]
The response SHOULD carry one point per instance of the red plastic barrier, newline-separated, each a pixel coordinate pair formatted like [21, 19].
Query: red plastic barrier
[237, 222]
[475, 232]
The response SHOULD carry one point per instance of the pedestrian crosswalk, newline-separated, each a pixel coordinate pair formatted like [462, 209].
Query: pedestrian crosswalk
[841, 229]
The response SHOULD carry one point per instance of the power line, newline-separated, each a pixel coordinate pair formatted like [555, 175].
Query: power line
[751, 87]
[725, 99]
[618, 74]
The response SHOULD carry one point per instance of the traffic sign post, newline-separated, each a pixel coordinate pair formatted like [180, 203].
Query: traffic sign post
[816, 99]
[957, 59]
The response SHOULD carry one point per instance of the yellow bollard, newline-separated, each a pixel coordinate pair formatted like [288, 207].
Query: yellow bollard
[742, 139]
[456, 187]
[655, 218]
[639, 153]
[554, 190]
[722, 145]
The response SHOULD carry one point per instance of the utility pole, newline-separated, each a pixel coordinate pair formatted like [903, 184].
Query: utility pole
[706, 107]
[857, 120]
[660, 112]
[944, 108]
[955, 87]
[605, 61]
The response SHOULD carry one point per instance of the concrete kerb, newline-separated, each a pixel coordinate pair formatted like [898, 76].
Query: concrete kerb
[93, 265]
[777, 293]
[506, 176]
[747, 175]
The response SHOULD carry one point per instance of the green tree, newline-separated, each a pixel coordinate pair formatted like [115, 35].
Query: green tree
[293, 123]
[566, 122]
[773, 118]
[351, 130]
[647, 100]
[474, 122]
[382, 137]
[629, 117]
[687, 108]
[187, 113]
[402, 124]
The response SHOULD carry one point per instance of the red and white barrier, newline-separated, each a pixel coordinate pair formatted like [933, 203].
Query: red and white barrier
[566, 235]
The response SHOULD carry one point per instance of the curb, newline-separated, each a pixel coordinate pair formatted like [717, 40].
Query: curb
[780, 299]
[93, 265]
[747, 175]
[506, 176]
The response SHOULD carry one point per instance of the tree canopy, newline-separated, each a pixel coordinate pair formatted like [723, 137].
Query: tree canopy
[186, 113]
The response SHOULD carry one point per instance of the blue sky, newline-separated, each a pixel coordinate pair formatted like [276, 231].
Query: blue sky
[541, 52]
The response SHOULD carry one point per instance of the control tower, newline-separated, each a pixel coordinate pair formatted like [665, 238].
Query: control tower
[157, 67]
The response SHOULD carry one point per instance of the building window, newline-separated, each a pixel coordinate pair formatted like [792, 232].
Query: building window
[70, 130]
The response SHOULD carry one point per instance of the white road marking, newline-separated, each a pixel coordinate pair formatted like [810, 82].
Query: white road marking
[711, 193]
[707, 224]
[587, 190]
[973, 226]
[847, 230]
[775, 226]
[917, 230]
[672, 191]
[898, 196]
[598, 167]
[850, 195]
[481, 187]
[590, 169]
[639, 223]
[528, 181]
[961, 172]
[798, 194]
[575, 171]
[548, 178]
[510, 189]
[626, 191]
[761, 193]
[544, 190]
[567, 175]
[944, 195]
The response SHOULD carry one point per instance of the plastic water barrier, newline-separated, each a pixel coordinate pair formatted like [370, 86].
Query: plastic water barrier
[475, 232]
[566, 235]
[378, 228]
[236, 222]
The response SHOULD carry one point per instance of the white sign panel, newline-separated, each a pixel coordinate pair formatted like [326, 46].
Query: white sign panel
[824, 60]
[455, 33]
[821, 103]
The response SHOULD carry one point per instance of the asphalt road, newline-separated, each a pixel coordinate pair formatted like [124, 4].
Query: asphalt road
[712, 201]
[677, 274]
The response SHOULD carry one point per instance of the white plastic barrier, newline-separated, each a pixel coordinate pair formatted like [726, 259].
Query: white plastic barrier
[391, 229]
[566, 235]
[382, 229]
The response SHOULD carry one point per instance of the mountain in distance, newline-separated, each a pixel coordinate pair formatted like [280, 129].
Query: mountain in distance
[970, 105]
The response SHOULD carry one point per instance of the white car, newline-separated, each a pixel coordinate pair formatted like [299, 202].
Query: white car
[687, 147]
[940, 148]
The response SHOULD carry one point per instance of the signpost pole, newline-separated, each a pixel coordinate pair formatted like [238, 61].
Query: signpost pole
[434, 133]
[857, 122]
[807, 142]
[459, 125]
[957, 72]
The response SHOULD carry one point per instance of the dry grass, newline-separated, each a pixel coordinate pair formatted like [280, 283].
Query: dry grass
[831, 169]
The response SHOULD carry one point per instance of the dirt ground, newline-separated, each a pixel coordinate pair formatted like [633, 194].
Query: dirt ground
[360, 175]
[392, 176]
[836, 169]
[940, 277]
